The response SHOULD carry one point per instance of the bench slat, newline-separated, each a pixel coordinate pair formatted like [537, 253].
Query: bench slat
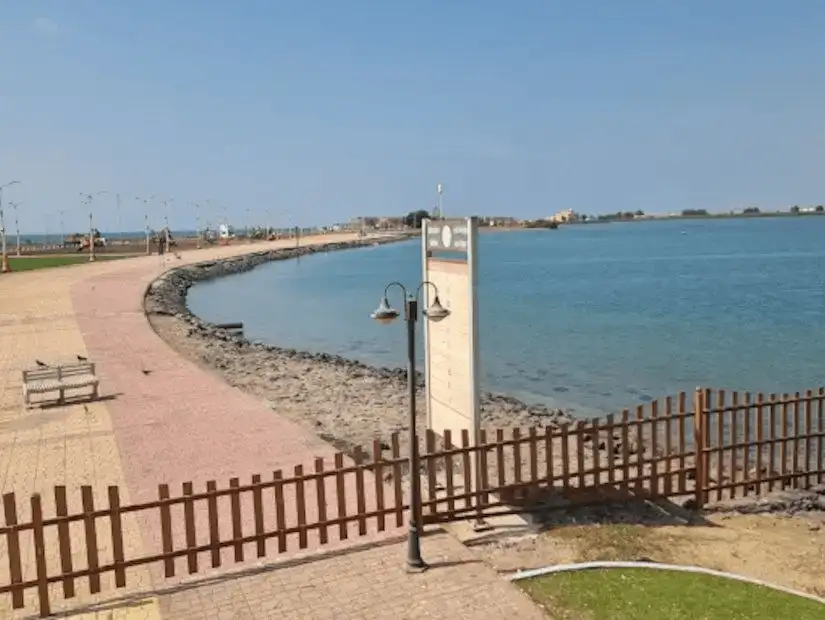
[64, 370]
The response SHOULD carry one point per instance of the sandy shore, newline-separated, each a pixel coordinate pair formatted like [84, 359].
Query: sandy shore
[346, 402]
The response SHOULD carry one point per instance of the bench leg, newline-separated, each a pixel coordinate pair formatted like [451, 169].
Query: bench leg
[61, 398]
[95, 392]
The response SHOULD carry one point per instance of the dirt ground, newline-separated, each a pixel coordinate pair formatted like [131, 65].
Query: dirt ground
[788, 551]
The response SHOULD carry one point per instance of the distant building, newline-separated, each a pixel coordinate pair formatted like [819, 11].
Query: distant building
[567, 215]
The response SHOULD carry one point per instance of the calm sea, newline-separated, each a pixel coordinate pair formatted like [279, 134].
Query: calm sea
[592, 318]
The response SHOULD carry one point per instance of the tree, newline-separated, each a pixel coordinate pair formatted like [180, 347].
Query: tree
[819, 209]
[795, 209]
[413, 218]
[694, 212]
[639, 213]
[751, 211]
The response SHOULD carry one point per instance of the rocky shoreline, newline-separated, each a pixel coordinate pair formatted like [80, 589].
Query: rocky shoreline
[346, 402]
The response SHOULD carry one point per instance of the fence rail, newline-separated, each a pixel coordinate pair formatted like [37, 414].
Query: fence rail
[710, 446]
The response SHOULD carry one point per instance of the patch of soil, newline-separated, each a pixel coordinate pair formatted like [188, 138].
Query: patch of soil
[780, 549]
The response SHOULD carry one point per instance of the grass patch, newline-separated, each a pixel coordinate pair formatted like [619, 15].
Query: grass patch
[28, 263]
[627, 594]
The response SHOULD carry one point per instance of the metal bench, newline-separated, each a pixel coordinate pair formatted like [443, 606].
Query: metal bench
[60, 379]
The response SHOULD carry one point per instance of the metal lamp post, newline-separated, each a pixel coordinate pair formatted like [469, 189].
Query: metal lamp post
[387, 314]
[14, 206]
[197, 226]
[5, 257]
[146, 202]
[166, 239]
[89, 199]
[62, 239]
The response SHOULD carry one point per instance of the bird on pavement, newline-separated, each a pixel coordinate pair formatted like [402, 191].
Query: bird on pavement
[146, 371]
[80, 358]
[41, 364]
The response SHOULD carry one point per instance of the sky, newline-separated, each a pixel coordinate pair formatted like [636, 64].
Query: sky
[313, 112]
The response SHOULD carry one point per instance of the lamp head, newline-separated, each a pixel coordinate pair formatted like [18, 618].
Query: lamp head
[384, 313]
[436, 312]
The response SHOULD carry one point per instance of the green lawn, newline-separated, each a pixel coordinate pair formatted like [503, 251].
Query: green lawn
[627, 594]
[27, 263]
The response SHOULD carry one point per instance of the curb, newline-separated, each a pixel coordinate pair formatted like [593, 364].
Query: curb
[567, 568]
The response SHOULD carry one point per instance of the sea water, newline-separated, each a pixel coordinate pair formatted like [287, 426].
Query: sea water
[589, 317]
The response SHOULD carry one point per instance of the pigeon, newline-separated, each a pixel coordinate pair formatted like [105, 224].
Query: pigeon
[41, 364]
[146, 372]
[80, 358]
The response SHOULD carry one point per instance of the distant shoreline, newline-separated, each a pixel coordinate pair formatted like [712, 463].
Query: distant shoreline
[708, 216]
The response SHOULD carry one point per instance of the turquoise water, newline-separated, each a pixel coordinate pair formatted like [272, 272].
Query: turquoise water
[590, 317]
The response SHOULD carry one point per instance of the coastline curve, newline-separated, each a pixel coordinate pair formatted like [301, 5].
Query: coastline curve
[346, 402]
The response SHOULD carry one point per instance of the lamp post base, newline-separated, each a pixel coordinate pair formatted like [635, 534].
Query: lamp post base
[414, 569]
[5, 267]
[415, 563]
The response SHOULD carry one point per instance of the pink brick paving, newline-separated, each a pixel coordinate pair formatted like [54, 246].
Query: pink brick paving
[184, 424]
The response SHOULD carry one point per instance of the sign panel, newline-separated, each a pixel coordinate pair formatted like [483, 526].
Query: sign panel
[448, 236]
[451, 345]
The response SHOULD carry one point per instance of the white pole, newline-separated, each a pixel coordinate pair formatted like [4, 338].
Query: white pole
[3, 233]
[14, 206]
[440, 202]
[119, 218]
[5, 257]
[165, 228]
[91, 237]
[198, 226]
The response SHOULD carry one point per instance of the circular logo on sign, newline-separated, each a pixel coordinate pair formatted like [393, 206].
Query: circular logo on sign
[446, 236]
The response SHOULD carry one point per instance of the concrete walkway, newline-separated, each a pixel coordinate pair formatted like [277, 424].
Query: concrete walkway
[183, 424]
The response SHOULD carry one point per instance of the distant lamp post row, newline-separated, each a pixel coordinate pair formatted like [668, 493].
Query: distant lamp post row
[4, 268]
[385, 314]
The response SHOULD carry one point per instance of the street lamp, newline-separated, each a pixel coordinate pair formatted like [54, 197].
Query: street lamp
[197, 226]
[5, 257]
[88, 199]
[386, 314]
[166, 239]
[146, 202]
[14, 206]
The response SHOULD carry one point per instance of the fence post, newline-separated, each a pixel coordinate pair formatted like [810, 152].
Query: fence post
[699, 441]
[40, 556]
[13, 549]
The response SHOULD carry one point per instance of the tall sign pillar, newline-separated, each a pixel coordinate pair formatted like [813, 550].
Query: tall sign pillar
[452, 365]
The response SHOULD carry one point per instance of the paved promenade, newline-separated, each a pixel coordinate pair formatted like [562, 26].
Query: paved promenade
[182, 423]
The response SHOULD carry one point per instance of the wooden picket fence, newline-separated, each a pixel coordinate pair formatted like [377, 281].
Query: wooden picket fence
[707, 446]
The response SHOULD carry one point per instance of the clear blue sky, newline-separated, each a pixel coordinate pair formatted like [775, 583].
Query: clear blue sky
[323, 110]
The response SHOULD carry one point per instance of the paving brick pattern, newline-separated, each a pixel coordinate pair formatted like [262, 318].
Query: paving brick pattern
[366, 584]
[181, 424]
